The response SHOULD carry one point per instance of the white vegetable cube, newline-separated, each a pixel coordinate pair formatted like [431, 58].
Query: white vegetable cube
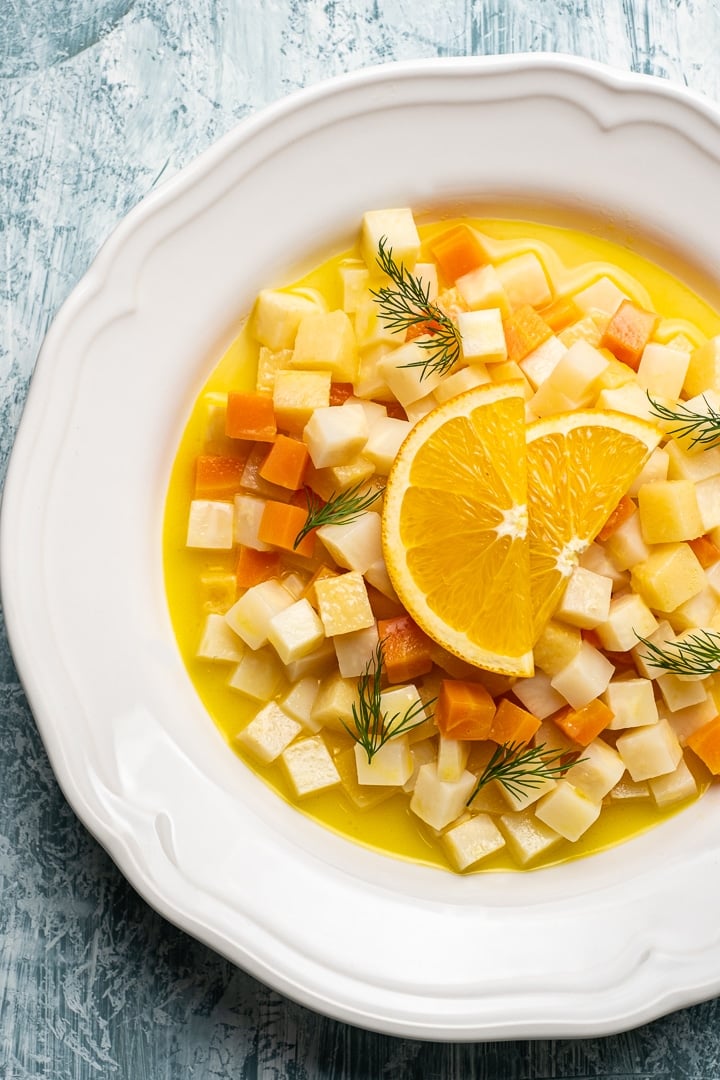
[356, 650]
[343, 603]
[602, 296]
[377, 576]
[428, 276]
[371, 328]
[526, 837]
[598, 771]
[628, 618]
[627, 790]
[549, 399]
[538, 695]
[354, 282]
[482, 334]
[704, 369]
[309, 766]
[334, 435]
[632, 702]
[422, 753]
[385, 439]
[415, 410]
[685, 722]
[596, 558]
[398, 701]
[662, 370]
[528, 796]
[472, 840]
[364, 796]
[707, 493]
[457, 382]
[248, 512]
[295, 631]
[391, 764]
[678, 693]
[577, 373]
[404, 371]
[699, 610]
[525, 281]
[655, 468]
[325, 341]
[269, 363]
[333, 704]
[210, 525]
[586, 600]
[296, 396]
[669, 512]
[258, 675]
[673, 787]
[452, 757]
[218, 641]
[669, 576]
[299, 701]
[649, 751]
[696, 464]
[626, 546]
[397, 229]
[584, 678]
[267, 735]
[277, 315]
[629, 398]
[250, 616]
[556, 646]
[316, 663]
[370, 382]
[482, 288]
[355, 545]
[539, 364]
[568, 811]
[438, 802]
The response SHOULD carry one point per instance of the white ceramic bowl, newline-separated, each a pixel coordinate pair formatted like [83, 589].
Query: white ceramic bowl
[585, 948]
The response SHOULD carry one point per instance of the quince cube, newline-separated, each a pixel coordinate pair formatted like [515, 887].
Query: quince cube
[650, 751]
[325, 341]
[335, 434]
[397, 228]
[343, 603]
[277, 316]
[269, 363]
[482, 334]
[669, 512]
[296, 396]
[556, 647]
[669, 576]
[568, 811]
[354, 283]
[662, 370]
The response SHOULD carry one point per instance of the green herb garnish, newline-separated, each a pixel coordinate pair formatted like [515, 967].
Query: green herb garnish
[697, 654]
[338, 510]
[373, 728]
[405, 304]
[703, 429]
[517, 769]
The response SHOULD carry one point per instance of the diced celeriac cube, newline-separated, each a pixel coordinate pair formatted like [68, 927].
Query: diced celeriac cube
[377, 576]
[218, 641]
[629, 617]
[355, 283]
[704, 369]
[584, 678]
[693, 464]
[556, 646]
[258, 675]
[385, 439]
[602, 295]
[267, 735]
[269, 363]
[539, 364]
[596, 558]
[343, 603]
[336, 478]
[415, 410]
[438, 802]
[698, 611]
[421, 752]
[627, 790]
[520, 800]
[363, 795]
[370, 382]
[250, 616]
[669, 512]
[333, 705]
[598, 771]
[277, 316]
[309, 766]
[248, 510]
[626, 546]
[482, 288]
[549, 399]
[673, 787]
[355, 545]
[371, 328]
[678, 694]
[316, 663]
[296, 395]
[526, 837]
[662, 370]
[325, 341]
[685, 722]
[356, 650]
[577, 372]
[567, 811]
[452, 757]
[632, 702]
[649, 751]
[707, 493]
[588, 329]
[472, 840]
[210, 525]
[397, 229]
[630, 399]
[482, 334]
[334, 435]
[402, 370]
[299, 701]
[398, 701]
[457, 382]
[295, 631]
[655, 468]
[524, 279]
[391, 764]
[669, 576]
[538, 696]
[586, 600]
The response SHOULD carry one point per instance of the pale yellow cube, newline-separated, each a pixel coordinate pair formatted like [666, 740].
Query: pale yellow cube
[277, 316]
[210, 525]
[632, 702]
[642, 658]
[655, 468]
[483, 337]
[336, 478]
[457, 382]
[269, 733]
[219, 590]
[356, 650]
[364, 796]
[586, 329]
[700, 610]
[577, 373]
[295, 631]
[309, 766]
[626, 546]
[482, 288]
[629, 398]
[250, 616]
[669, 576]
[704, 368]
[355, 545]
[598, 771]
[586, 600]
[335, 435]
[391, 764]
[370, 382]
[415, 410]
[673, 787]
[649, 751]
[343, 603]
[270, 361]
[557, 645]
[354, 284]
[384, 440]
[629, 617]
[602, 296]
[707, 493]
[317, 663]
[669, 512]
[422, 752]
[299, 701]
[396, 227]
[370, 327]
[472, 840]
[218, 642]
[595, 557]
[629, 791]
[296, 395]
[537, 694]
[438, 802]
[427, 275]
[509, 371]
[697, 464]
[404, 370]
[258, 675]
[685, 722]
[528, 795]
[662, 370]
[568, 811]
[452, 757]
[526, 837]
[325, 341]
[524, 279]
[584, 678]
[678, 693]
[397, 702]
[334, 701]
[377, 576]
[548, 400]
[539, 364]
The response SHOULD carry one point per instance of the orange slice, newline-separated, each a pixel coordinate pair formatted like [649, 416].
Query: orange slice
[455, 528]
[580, 464]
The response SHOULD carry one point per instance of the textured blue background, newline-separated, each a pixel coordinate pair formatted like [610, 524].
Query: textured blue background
[99, 101]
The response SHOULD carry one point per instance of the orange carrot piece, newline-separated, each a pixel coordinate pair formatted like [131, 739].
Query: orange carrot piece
[525, 330]
[430, 326]
[583, 725]
[340, 391]
[512, 724]
[624, 510]
[250, 416]
[280, 524]
[561, 313]
[395, 410]
[286, 463]
[628, 332]
[383, 607]
[457, 252]
[464, 710]
[705, 550]
[706, 744]
[405, 649]
[218, 476]
[255, 566]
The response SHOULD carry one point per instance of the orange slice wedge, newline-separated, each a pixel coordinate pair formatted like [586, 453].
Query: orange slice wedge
[580, 464]
[455, 528]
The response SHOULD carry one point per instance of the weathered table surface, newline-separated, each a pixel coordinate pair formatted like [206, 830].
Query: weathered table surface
[99, 101]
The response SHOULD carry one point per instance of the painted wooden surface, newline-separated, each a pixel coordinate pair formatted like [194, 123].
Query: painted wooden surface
[99, 101]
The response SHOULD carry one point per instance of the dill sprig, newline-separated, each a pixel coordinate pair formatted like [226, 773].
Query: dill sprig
[517, 769]
[373, 728]
[697, 654]
[406, 303]
[340, 509]
[703, 429]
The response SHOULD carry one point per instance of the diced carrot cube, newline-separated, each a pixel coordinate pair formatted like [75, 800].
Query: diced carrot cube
[430, 326]
[512, 724]
[706, 744]
[705, 551]
[464, 710]
[457, 252]
[405, 649]
[280, 525]
[250, 416]
[624, 510]
[561, 313]
[286, 462]
[218, 476]
[383, 607]
[340, 391]
[628, 332]
[525, 330]
[584, 725]
[395, 410]
[255, 566]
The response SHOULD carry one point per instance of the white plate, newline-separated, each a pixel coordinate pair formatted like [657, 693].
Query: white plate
[590, 947]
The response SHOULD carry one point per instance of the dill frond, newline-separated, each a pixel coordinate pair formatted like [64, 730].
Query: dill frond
[697, 654]
[338, 510]
[517, 769]
[703, 429]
